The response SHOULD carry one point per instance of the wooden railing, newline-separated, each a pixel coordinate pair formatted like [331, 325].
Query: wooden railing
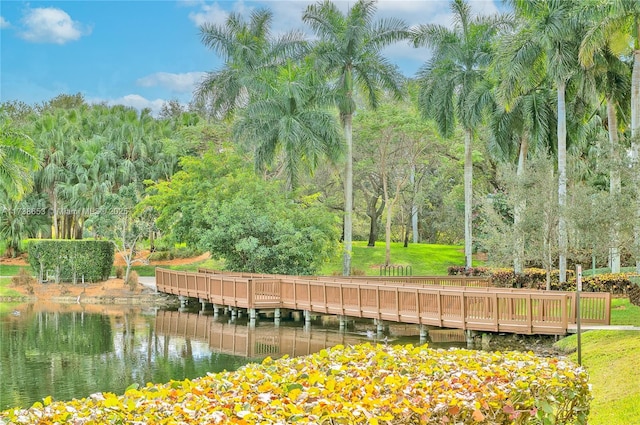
[473, 308]
[229, 338]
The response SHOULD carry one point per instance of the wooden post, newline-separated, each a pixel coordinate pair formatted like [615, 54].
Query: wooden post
[578, 325]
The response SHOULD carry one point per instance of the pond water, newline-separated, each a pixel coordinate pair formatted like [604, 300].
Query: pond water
[72, 350]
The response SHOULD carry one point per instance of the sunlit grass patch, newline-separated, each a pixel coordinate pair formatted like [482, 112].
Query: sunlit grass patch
[612, 359]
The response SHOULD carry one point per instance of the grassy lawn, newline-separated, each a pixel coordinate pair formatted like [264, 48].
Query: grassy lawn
[5, 291]
[611, 358]
[625, 313]
[7, 270]
[424, 259]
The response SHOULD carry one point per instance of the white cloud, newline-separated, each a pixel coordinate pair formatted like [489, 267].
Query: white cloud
[4, 23]
[51, 25]
[209, 13]
[179, 83]
[133, 100]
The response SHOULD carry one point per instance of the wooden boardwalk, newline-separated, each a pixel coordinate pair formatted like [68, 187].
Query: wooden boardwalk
[246, 341]
[447, 301]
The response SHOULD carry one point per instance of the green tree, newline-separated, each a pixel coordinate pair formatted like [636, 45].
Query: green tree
[615, 23]
[17, 159]
[217, 203]
[290, 116]
[247, 48]
[549, 40]
[349, 53]
[450, 82]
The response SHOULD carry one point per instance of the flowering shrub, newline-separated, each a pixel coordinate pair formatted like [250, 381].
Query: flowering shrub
[363, 384]
[634, 294]
[533, 278]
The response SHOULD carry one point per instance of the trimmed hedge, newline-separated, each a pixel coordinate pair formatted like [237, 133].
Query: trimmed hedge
[360, 384]
[93, 259]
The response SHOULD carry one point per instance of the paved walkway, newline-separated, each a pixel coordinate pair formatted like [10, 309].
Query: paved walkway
[574, 328]
[148, 282]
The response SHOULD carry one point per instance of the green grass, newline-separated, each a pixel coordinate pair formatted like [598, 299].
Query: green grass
[588, 271]
[192, 267]
[624, 313]
[6, 270]
[5, 291]
[424, 259]
[611, 358]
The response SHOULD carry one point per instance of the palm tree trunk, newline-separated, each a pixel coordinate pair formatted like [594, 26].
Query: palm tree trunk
[348, 196]
[614, 184]
[414, 207]
[635, 138]
[562, 182]
[518, 210]
[387, 226]
[468, 196]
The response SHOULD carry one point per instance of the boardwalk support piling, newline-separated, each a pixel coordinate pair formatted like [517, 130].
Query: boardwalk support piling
[343, 322]
[423, 333]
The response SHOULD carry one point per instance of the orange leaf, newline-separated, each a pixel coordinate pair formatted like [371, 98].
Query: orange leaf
[477, 416]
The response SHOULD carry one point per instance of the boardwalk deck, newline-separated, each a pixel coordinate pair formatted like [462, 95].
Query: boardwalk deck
[418, 300]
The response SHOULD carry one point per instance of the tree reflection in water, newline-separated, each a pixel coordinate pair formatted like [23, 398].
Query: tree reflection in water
[72, 351]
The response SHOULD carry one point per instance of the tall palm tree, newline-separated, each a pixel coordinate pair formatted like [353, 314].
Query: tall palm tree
[549, 40]
[290, 117]
[247, 49]
[348, 52]
[449, 84]
[17, 159]
[518, 126]
[613, 78]
[617, 18]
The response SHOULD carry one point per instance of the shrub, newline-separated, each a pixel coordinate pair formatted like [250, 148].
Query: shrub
[119, 272]
[634, 295]
[93, 259]
[159, 256]
[184, 252]
[132, 280]
[24, 279]
[361, 384]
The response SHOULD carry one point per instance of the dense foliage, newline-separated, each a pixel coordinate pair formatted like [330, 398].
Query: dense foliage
[218, 204]
[361, 384]
[71, 261]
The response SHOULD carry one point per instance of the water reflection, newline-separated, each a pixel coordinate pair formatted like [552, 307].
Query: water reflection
[72, 351]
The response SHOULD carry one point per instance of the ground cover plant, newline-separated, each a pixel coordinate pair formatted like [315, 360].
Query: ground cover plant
[363, 384]
[611, 359]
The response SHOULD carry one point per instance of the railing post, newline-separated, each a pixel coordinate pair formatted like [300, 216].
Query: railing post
[530, 313]
[463, 310]
[251, 293]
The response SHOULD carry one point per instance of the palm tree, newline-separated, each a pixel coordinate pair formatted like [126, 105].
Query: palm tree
[612, 77]
[290, 116]
[17, 159]
[348, 52]
[613, 19]
[549, 41]
[518, 126]
[449, 84]
[247, 49]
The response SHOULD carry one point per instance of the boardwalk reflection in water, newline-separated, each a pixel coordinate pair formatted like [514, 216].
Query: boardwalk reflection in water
[249, 341]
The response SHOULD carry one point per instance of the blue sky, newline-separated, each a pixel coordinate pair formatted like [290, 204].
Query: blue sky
[142, 53]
